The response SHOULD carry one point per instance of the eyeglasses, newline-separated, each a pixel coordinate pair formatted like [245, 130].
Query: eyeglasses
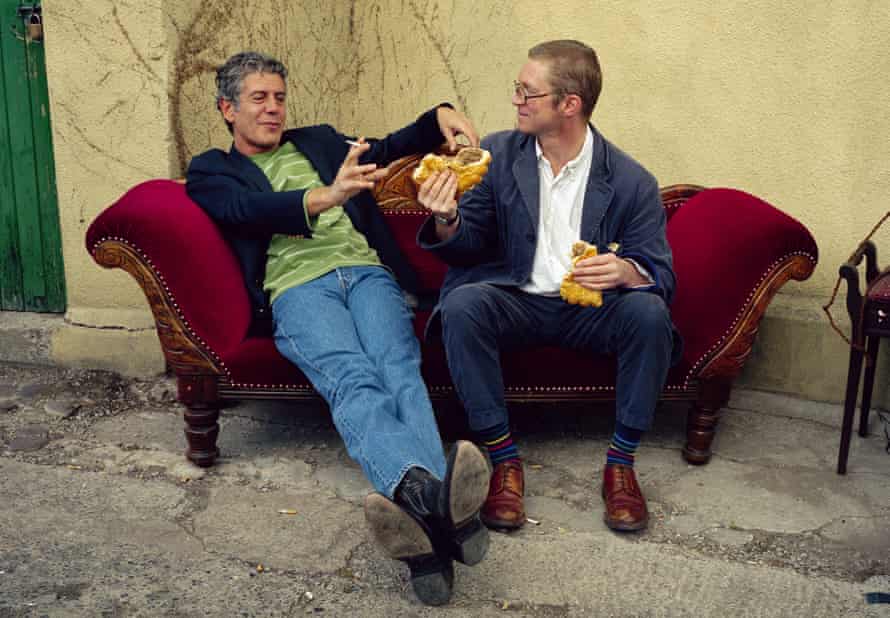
[520, 91]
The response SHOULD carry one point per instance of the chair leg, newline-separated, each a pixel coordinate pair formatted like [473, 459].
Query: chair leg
[198, 394]
[871, 362]
[849, 408]
[701, 423]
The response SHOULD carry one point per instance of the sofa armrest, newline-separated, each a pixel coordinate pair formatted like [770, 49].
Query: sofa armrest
[188, 272]
[732, 252]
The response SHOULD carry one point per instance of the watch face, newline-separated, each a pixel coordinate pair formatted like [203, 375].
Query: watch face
[445, 220]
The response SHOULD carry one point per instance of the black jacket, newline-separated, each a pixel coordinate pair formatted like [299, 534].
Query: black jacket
[238, 196]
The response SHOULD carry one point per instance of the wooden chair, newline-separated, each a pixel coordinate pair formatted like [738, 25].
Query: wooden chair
[870, 319]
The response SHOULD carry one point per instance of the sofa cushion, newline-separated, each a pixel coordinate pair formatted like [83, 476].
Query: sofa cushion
[404, 225]
[257, 364]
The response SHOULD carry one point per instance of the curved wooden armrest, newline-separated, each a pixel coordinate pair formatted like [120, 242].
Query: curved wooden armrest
[184, 351]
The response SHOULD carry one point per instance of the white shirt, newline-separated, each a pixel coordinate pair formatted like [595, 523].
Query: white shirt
[561, 200]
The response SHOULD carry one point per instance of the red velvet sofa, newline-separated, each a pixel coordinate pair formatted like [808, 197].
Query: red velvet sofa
[732, 252]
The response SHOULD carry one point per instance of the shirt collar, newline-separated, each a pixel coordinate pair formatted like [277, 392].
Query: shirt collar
[582, 160]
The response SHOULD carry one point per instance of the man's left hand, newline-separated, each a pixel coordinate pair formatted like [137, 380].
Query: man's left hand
[607, 271]
[452, 123]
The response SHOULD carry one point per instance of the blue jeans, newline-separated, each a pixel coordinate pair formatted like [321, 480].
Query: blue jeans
[350, 332]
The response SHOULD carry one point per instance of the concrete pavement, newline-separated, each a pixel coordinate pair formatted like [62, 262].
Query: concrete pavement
[101, 515]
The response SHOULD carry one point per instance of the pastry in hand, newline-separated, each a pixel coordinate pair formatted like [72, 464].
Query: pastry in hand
[470, 165]
[573, 293]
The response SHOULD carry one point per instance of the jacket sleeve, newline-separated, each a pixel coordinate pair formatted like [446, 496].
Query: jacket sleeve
[476, 240]
[645, 241]
[419, 137]
[231, 202]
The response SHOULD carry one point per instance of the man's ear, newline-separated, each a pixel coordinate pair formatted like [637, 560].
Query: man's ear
[571, 105]
[227, 109]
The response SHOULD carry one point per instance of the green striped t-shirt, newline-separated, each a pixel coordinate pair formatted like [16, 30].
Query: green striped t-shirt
[293, 260]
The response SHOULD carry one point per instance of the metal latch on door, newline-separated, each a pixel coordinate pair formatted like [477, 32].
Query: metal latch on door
[32, 17]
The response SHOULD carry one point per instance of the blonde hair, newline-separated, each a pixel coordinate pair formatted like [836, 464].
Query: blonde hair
[574, 69]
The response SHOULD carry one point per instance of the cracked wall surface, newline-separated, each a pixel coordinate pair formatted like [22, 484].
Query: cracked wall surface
[107, 74]
[782, 101]
[313, 39]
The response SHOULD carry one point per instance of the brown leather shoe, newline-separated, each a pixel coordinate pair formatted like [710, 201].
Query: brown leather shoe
[625, 504]
[503, 507]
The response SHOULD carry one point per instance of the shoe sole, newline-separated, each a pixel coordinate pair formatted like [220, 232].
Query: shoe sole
[502, 524]
[403, 538]
[623, 527]
[466, 481]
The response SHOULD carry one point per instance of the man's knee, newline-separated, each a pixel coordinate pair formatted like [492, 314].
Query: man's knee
[648, 315]
[466, 309]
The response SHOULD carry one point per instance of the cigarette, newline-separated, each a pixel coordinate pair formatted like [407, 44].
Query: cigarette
[352, 142]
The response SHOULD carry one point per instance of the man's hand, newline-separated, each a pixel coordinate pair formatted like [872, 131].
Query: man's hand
[452, 123]
[605, 272]
[437, 193]
[351, 179]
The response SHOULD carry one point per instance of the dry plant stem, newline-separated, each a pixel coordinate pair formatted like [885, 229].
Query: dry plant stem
[858, 336]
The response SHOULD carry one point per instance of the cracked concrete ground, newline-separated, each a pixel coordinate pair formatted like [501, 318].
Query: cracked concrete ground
[101, 515]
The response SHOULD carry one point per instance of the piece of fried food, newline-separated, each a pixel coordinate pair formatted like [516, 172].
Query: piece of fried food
[470, 165]
[573, 293]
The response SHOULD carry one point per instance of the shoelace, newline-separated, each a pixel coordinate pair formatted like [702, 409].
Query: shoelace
[506, 480]
[624, 483]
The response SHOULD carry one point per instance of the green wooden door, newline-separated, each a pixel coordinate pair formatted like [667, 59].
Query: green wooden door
[31, 270]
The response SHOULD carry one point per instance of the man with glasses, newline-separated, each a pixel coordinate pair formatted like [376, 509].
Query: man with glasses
[553, 181]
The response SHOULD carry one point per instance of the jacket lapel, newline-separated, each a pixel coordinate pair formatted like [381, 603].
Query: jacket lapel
[525, 171]
[315, 152]
[598, 193]
[249, 170]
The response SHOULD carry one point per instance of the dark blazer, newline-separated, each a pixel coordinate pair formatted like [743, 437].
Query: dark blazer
[238, 196]
[497, 236]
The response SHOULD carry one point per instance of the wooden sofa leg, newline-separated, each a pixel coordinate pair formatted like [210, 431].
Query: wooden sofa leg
[701, 423]
[198, 394]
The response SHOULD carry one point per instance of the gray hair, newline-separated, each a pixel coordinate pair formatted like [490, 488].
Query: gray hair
[230, 76]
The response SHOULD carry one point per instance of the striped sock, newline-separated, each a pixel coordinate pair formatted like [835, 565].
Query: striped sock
[624, 444]
[499, 443]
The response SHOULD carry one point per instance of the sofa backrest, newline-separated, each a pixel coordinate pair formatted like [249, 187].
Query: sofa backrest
[177, 238]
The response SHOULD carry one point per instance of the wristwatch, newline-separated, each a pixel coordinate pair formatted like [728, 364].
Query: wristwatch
[446, 221]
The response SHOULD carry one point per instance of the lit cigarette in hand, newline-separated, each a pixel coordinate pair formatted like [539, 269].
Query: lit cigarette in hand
[352, 142]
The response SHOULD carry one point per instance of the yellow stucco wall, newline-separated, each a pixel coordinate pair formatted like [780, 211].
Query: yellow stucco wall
[107, 75]
[784, 100]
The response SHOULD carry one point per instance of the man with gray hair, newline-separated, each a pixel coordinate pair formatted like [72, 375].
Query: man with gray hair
[314, 249]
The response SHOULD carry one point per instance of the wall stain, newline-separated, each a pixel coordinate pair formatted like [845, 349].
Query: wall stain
[200, 34]
[444, 55]
[133, 48]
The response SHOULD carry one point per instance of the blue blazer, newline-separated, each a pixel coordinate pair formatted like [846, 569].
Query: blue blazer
[238, 197]
[497, 236]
